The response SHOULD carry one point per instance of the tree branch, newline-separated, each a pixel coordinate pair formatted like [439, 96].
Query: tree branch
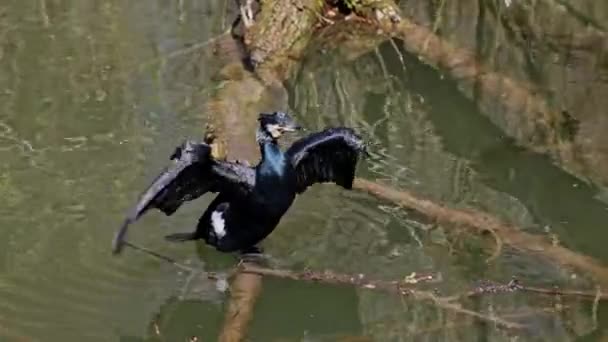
[246, 286]
[481, 222]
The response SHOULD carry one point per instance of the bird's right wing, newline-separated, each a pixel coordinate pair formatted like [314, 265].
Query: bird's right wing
[327, 156]
[193, 172]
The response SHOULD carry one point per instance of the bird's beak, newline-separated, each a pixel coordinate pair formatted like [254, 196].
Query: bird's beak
[291, 127]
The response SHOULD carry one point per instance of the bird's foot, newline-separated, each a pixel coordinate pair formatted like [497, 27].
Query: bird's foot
[180, 237]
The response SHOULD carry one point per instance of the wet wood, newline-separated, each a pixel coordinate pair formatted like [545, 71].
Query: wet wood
[244, 291]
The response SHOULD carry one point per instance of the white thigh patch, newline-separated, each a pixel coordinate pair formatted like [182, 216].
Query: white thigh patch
[218, 224]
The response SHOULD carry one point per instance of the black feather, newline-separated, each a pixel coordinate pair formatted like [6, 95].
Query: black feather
[251, 200]
[327, 156]
[193, 173]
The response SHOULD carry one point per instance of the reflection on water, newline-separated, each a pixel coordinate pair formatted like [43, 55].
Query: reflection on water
[88, 115]
[533, 179]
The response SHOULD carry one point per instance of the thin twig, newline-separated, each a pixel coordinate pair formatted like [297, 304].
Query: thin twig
[161, 257]
[404, 287]
[399, 54]
[487, 288]
[329, 277]
[596, 296]
[514, 285]
[361, 281]
[596, 302]
[181, 52]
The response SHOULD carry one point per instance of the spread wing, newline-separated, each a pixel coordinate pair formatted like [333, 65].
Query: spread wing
[327, 156]
[193, 172]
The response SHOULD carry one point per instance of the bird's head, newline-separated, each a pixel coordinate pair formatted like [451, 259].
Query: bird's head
[275, 124]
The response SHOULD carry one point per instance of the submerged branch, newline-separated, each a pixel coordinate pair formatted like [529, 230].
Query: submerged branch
[596, 296]
[359, 280]
[246, 287]
[481, 222]
[402, 287]
[407, 287]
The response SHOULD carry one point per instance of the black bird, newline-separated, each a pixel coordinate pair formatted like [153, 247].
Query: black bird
[250, 200]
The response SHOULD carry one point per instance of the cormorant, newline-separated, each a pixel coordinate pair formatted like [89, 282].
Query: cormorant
[250, 200]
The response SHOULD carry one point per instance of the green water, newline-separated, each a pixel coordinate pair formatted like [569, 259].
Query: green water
[88, 115]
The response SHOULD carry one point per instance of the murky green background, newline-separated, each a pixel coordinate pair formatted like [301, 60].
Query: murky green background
[91, 108]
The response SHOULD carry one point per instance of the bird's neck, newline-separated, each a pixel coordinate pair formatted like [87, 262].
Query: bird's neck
[273, 159]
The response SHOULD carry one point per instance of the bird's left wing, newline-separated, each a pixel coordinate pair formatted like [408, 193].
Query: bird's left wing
[192, 173]
[237, 178]
[327, 156]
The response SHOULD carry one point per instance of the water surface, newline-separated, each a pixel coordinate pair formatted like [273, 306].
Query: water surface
[89, 112]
